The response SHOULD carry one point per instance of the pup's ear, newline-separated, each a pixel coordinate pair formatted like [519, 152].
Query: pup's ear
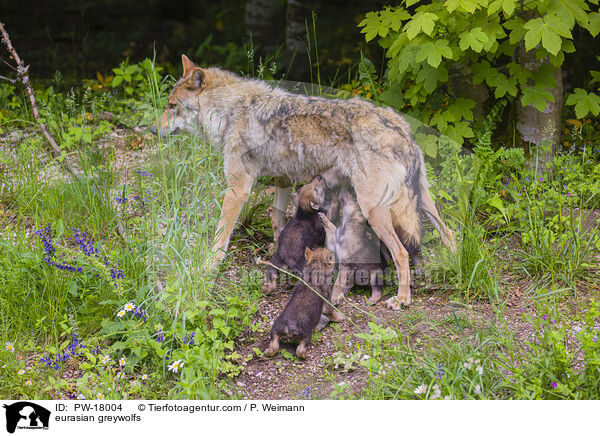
[198, 78]
[188, 65]
[308, 254]
[331, 258]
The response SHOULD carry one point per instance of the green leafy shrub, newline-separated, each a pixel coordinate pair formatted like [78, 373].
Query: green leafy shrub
[424, 43]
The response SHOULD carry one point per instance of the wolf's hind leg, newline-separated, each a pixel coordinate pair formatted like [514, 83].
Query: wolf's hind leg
[273, 347]
[342, 284]
[376, 286]
[332, 314]
[301, 349]
[280, 203]
[380, 220]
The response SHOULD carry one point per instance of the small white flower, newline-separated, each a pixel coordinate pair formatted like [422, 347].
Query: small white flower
[9, 346]
[577, 328]
[28, 382]
[145, 376]
[477, 390]
[81, 397]
[437, 393]
[478, 361]
[468, 365]
[120, 375]
[447, 397]
[4, 366]
[122, 361]
[106, 359]
[366, 357]
[174, 367]
[129, 306]
[479, 370]
[100, 396]
[21, 372]
[121, 313]
[420, 390]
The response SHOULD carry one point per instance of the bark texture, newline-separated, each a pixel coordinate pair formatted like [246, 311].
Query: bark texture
[535, 127]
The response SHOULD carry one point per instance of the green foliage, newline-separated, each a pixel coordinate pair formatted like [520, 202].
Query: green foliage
[395, 370]
[561, 361]
[584, 103]
[135, 77]
[423, 45]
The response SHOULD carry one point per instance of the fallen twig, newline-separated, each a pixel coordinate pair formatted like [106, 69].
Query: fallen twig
[259, 261]
[23, 76]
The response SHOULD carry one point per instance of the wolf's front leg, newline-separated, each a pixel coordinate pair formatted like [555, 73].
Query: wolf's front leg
[343, 284]
[237, 194]
[329, 231]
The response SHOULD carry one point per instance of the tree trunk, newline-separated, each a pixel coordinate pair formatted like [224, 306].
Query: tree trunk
[264, 25]
[461, 83]
[541, 129]
[296, 56]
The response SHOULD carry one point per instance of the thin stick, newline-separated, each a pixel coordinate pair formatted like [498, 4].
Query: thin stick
[259, 261]
[6, 78]
[22, 74]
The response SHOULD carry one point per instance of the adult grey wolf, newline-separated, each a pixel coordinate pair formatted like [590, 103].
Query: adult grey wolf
[265, 131]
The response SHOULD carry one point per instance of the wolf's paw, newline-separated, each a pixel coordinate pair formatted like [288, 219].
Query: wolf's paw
[272, 349]
[374, 300]
[336, 299]
[272, 248]
[336, 316]
[268, 288]
[301, 350]
[395, 304]
[322, 323]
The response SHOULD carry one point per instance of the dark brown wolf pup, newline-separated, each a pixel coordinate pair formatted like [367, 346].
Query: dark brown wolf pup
[303, 311]
[303, 230]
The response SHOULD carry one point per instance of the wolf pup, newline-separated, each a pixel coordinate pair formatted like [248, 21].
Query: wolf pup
[303, 311]
[265, 131]
[357, 249]
[303, 230]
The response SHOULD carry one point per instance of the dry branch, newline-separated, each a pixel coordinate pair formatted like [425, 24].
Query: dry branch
[23, 76]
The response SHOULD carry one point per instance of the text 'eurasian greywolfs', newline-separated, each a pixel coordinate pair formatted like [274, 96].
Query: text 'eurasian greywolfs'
[265, 131]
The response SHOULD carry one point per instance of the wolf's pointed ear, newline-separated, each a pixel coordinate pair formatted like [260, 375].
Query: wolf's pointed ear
[308, 254]
[198, 78]
[188, 65]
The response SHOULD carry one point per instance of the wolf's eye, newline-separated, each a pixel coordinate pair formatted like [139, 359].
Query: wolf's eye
[172, 105]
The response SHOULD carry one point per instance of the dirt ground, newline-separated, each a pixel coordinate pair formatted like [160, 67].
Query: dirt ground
[433, 315]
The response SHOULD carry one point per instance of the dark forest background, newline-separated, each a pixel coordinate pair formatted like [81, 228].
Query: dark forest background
[79, 38]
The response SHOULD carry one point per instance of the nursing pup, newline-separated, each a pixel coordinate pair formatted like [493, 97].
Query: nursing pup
[357, 249]
[303, 310]
[303, 230]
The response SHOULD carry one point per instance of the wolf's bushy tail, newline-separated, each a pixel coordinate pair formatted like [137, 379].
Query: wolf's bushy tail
[427, 206]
